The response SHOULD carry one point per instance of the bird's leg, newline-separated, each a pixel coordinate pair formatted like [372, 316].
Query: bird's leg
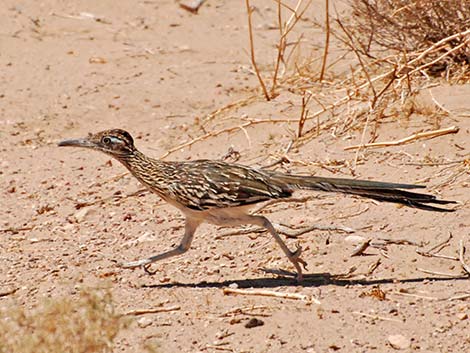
[293, 256]
[189, 230]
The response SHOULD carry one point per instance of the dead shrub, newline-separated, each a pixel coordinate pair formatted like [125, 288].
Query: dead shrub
[413, 26]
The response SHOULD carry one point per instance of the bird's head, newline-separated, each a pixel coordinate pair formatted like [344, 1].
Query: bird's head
[116, 142]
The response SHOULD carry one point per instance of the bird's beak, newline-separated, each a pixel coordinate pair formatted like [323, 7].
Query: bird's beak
[82, 142]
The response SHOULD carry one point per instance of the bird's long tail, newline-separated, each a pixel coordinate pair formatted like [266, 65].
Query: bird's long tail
[380, 191]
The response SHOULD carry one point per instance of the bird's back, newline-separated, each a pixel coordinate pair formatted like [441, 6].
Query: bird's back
[206, 184]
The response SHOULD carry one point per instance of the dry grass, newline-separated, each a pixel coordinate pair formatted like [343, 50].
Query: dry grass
[85, 324]
[422, 39]
[409, 26]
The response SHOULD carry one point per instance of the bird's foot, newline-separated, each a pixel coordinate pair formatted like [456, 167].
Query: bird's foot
[133, 264]
[295, 256]
[296, 260]
[148, 271]
[145, 264]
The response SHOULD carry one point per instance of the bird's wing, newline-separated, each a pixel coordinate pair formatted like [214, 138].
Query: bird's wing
[206, 184]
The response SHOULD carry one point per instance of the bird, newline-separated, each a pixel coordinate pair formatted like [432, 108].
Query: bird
[222, 193]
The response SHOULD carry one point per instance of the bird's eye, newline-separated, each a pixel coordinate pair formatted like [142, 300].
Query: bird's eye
[106, 140]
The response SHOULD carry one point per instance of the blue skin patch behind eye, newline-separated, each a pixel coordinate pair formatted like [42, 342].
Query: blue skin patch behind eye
[115, 139]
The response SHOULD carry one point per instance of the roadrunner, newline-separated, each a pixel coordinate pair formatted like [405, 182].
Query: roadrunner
[222, 193]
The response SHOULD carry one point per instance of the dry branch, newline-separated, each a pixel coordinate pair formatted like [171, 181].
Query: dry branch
[281, 47]
[268, 293]
[295, 233]
[113, 198]
[225, 130]
[246, 311]
[434, 250]
[327, 40]
[417, 136]
[359, 250]
[373, 266]
[438, 59]
[376, 317]
[252, 51]
[459, 297]
[14, 230]
[414, 295]
[137, 312]
[440, 245]
[448, 275]
[303, 112]
[462, 260]
[8, 292]
[410, 28]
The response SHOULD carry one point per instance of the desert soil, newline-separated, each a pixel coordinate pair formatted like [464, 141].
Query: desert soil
[158, 71]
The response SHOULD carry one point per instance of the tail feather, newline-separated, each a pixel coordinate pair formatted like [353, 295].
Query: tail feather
[411, 199]
[380, 191]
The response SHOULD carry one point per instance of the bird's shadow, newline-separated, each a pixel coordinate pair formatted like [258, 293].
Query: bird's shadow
[310, 280]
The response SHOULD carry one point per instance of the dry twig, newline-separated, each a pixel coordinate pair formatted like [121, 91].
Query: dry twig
[376, 317]
[373, 267]
[327, 40]
[162, 309]
[249, 122]
[459, 297]
[434, 250]
[246, 311]
[252, 51]
[303, 112]
[449, 275]
[268, 293]
[112, 198]
[14, 230]
[8, 292]
[462, 260]
[405, 294]
[294, 234]
[359, 250]
[417, 136]
[219, 347]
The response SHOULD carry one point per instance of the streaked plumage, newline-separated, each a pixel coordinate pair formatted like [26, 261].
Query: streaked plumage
[221, 193]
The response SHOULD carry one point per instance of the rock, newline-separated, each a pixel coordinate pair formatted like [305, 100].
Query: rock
[68, 227]
[147, 236]
[81, 214]
[191, 6]
[144, 322]
[254, 322]
[355, 239]
[399, 341]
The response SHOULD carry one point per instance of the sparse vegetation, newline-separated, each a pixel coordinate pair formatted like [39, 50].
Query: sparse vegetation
[84, 324]
[410, 26]
[393, 49]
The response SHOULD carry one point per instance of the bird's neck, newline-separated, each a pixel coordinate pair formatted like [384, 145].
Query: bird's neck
[149, 171]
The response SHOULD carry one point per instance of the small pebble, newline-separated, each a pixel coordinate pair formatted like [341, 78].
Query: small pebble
[254, 322]
[81, 214]
[355, 239]
[399, 341]
[144, 322]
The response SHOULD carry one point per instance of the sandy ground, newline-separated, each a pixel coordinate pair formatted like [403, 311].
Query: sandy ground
[156, 70]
